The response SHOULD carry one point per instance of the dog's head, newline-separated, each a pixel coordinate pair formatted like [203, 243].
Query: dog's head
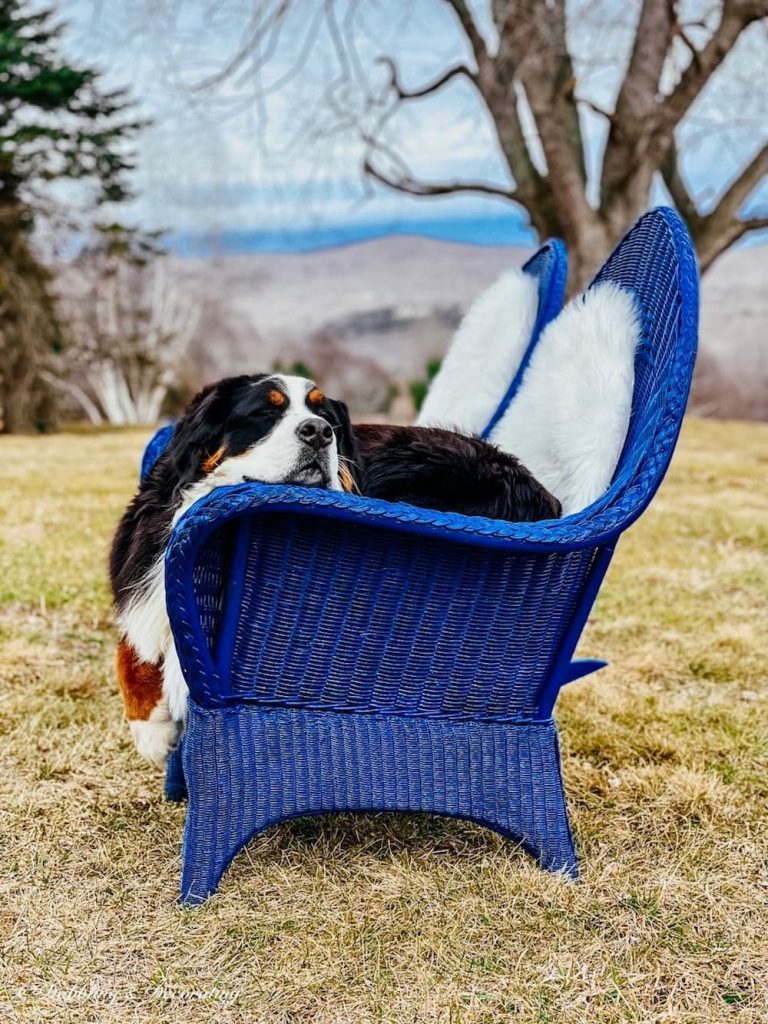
[267, 428]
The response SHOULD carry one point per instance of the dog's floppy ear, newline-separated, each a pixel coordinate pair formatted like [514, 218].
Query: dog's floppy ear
[199, 442]
[197, 439]
[350, 465]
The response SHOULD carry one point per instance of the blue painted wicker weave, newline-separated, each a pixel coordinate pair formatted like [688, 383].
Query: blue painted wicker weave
[344, 653]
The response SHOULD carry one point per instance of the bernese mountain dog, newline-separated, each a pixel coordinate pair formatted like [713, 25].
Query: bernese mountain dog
[278, 429]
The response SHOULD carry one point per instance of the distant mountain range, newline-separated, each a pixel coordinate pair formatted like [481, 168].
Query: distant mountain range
[507, 228]
[365, 318]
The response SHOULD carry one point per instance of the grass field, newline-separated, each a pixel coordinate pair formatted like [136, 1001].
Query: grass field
[350, 920]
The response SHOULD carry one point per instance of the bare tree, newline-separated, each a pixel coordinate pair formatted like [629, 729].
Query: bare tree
[519, 63]
[130, 325]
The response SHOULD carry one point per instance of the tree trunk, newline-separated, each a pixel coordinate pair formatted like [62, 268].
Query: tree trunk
[589, 244]
[28, 330]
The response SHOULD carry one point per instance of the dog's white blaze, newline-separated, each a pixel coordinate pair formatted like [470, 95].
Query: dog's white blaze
[568, 421]
[483, 357]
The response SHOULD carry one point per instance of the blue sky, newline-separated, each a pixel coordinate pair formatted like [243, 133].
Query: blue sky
[223, 158]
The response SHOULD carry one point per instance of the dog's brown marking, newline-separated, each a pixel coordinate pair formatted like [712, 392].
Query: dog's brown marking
[315, 396]
[345, 478]
[276, 398]
[140, 682]
[213, 460]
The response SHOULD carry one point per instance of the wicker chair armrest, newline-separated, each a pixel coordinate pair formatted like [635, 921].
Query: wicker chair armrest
[227, 503]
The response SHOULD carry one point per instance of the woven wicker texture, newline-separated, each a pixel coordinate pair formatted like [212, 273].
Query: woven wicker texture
[251, 768]
[356, 617]
[308, 607]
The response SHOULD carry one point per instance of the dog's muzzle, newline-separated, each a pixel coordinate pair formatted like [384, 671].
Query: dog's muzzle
[315, 436]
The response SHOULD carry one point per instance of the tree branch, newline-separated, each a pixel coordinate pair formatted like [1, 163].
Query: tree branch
[712, 238]
[742, 187]
[715, 231]
[683, 37]
[595, 108]
[653, 38]
[408, 184]
[637, 98]
[495, 83]
[84, 400]
[471, 31]
[260, 29]
[459, 71]
[678, 190]
[533, 34]
[737, 15]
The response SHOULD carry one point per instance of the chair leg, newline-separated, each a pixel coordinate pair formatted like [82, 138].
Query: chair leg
[249, 768]
[175, 786]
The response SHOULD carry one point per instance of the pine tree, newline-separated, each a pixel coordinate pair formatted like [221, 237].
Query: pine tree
[56, 122]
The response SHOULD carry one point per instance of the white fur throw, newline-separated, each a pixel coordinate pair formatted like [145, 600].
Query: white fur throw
[484, 356]
[568, 421]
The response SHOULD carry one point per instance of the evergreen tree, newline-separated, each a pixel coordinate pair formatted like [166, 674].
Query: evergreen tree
[56, 123]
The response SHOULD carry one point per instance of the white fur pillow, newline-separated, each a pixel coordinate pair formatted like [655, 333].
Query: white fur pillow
[568, 421]
[483, 356]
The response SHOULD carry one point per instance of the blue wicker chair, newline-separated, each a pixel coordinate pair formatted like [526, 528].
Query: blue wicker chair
[344, 653]
[549, 267]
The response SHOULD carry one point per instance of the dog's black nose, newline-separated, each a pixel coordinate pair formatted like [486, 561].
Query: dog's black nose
[315, 432]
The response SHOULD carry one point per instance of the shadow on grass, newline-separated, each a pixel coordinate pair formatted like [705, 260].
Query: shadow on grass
[380, 835]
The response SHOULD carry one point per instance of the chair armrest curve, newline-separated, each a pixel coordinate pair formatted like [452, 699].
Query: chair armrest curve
[231, 502]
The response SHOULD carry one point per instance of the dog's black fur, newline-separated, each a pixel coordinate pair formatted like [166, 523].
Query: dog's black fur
[450, 472]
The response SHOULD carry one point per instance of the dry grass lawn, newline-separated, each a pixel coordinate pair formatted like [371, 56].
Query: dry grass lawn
[350, 920]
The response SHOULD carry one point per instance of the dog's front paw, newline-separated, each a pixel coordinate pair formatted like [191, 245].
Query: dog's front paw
[156, 737]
